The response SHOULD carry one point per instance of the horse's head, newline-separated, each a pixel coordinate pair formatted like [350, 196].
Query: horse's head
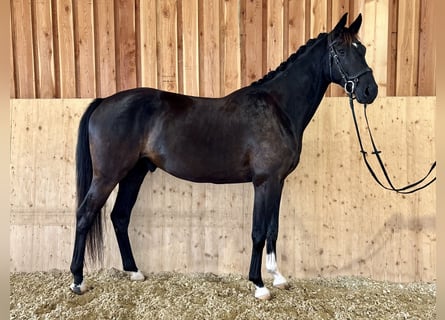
[347, 63]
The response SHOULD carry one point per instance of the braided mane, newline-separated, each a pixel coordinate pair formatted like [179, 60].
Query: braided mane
[345, 36]
[285, 64]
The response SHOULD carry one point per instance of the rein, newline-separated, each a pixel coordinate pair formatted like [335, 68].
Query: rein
[350, 82]
[376, 152]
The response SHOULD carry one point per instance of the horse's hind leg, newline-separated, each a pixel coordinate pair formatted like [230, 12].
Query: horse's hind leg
[86, 214]
[120, 215]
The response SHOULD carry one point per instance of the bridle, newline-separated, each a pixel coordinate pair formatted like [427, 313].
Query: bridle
[349, 85]
[349, 81]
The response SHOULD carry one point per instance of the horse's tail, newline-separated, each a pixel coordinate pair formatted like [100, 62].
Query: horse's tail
[84, 175]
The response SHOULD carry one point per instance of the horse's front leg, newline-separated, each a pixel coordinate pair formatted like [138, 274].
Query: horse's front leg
[271, 259]
[120, 216]
[266, 206]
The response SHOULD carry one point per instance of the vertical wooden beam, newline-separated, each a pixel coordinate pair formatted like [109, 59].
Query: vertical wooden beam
[318, 17]
[375, 19]
[307, 19]
[64, 43]
[392, 48]
[84, 49]
[44, 49]
[427, 50]
[104, 31]
[179, 48]
[231, 43]
[167, 45]
[355, 7]
[190, 47]
[12, 93]
[296, 22]
[209, 48]
[125, 34]
[408, 48]
[253, 44]
[275, 32]
[285, 29]
[147, 39]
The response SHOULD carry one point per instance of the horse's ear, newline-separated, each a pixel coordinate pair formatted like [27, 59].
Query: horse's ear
[355, 26]
[341, 24]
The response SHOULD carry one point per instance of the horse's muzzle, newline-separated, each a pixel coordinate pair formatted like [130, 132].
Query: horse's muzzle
[366, 94]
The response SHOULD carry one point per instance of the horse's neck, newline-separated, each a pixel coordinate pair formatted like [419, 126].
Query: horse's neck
[301, 88]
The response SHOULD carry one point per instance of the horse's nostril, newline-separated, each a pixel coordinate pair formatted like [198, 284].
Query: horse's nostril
[367, 91]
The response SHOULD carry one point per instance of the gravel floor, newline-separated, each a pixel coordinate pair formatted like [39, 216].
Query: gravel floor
[46, 295]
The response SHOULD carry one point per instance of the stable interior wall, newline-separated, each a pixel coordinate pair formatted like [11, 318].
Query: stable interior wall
[335, 220]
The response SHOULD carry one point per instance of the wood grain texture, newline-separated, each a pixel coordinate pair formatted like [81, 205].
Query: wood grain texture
[65, 64]
[190, 47]
[104, 27]
[408, 48]
[335, 220]
[167, 46]
[44, 49]
[93, 48]
[427, 50]
[125, 32]
[12, 72]
[147, 53]
[275, 34]
[391, 80]
[253, 44]
[209, 14]
[23, 44]
[231, 42]
[84, 49]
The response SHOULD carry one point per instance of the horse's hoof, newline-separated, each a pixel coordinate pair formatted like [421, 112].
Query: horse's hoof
[280, 282]
[283, 286]
[78, 288]
[137, 276]
[262, 293]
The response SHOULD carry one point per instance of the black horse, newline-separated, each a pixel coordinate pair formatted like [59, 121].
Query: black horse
[252, 135]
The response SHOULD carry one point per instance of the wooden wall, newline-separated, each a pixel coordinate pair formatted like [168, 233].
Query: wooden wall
[335, 220]
[84, 49]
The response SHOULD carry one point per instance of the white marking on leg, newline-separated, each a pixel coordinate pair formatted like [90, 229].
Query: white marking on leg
[262, 293]
[78, 288]
[137, 276]
[271, 262]
[271, 267]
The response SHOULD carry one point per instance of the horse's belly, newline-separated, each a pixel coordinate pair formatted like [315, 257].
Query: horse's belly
[202, 168]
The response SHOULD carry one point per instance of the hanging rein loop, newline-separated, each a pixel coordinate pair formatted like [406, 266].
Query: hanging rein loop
[350, 83]
[404, 190]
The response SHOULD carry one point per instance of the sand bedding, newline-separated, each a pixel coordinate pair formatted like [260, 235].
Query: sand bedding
[46, 295]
